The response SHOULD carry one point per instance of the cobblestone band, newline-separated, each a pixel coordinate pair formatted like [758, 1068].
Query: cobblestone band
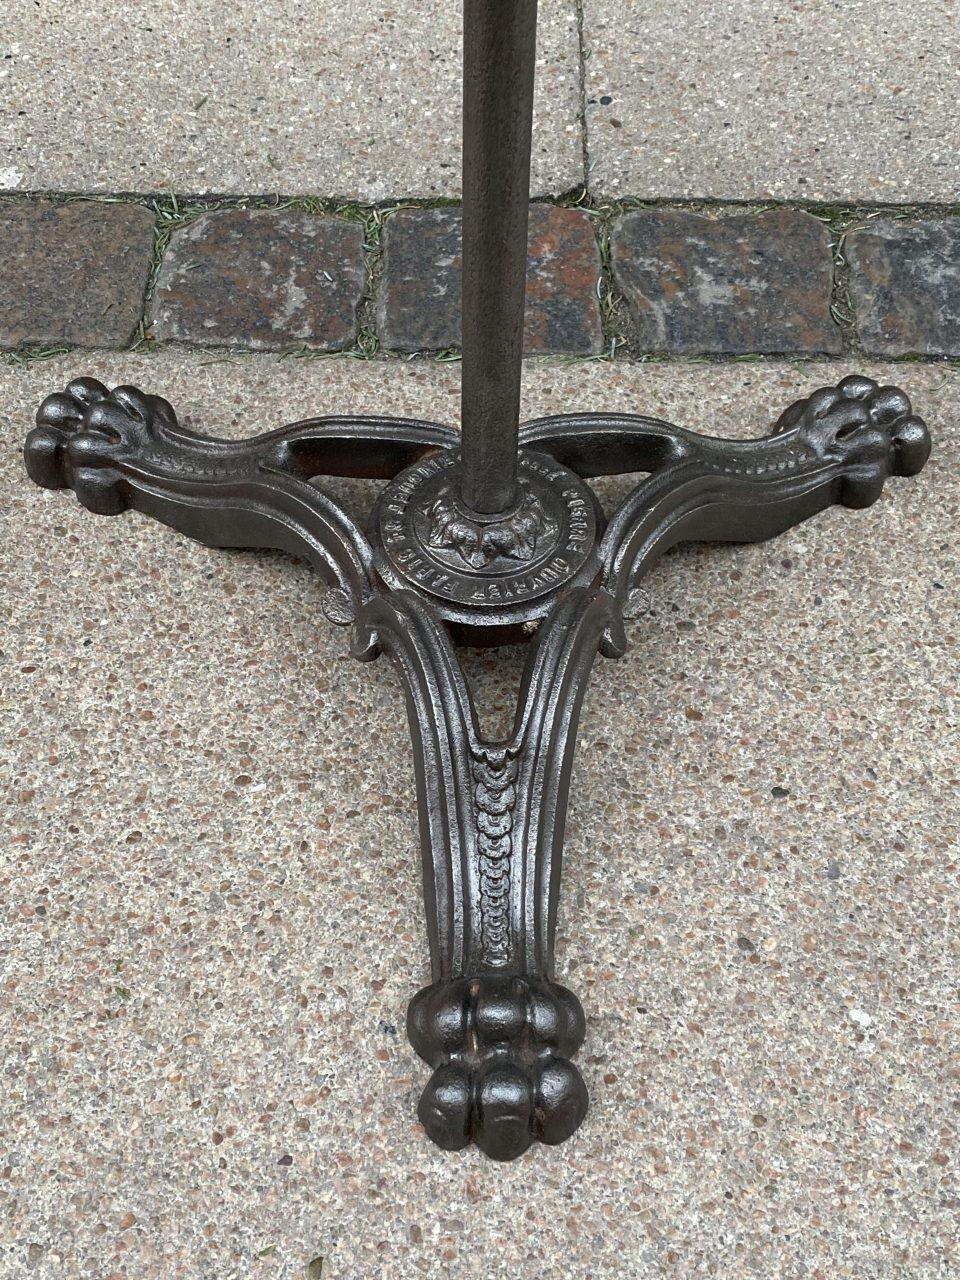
[659, 279]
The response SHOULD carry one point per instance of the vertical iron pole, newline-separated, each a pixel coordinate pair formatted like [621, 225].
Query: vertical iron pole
[499, 55]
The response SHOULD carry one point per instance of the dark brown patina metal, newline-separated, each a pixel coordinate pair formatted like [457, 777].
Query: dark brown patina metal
[442, 560]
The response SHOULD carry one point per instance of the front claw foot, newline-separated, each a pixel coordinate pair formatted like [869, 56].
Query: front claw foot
[81, 435]
[870, 430]
[500, 1045]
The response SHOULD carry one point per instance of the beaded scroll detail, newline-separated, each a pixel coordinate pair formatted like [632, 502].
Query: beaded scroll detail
[495, 794]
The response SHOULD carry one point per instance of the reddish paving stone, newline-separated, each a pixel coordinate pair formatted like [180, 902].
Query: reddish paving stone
[905, 286]
[73, 273]
[726, 286]
[263, 280]
[420, 294]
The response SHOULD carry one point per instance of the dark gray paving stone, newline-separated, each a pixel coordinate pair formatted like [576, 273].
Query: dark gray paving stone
[726, 286]
[73, 273]
[262, 280]
[905, 286]
[420, 295]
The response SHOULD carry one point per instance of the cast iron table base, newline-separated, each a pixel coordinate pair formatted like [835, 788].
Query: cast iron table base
[497, 1029]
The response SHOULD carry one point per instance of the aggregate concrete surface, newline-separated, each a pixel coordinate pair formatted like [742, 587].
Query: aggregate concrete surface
[211, 920]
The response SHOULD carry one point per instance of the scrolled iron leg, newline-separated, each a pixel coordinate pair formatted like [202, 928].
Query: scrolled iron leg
[494, 1025]
[838, 445]
[499, 1032]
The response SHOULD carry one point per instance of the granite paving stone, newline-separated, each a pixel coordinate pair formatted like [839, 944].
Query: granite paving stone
[354, 100]
[420, 295]
[261, 280]
[74, 272]
[210, 920]
[726, 285]
[905, 285]
[753, 99]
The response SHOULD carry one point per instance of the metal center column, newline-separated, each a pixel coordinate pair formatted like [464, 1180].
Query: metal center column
[499, 55]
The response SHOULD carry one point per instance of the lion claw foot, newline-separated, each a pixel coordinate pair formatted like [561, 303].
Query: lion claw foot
[871, 430]
[82, 433]
[501, 1046]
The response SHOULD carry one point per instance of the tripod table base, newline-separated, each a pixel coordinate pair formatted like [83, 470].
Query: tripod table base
[498, 1031]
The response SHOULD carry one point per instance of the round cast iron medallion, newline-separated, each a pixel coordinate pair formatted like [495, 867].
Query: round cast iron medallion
[490, 569]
